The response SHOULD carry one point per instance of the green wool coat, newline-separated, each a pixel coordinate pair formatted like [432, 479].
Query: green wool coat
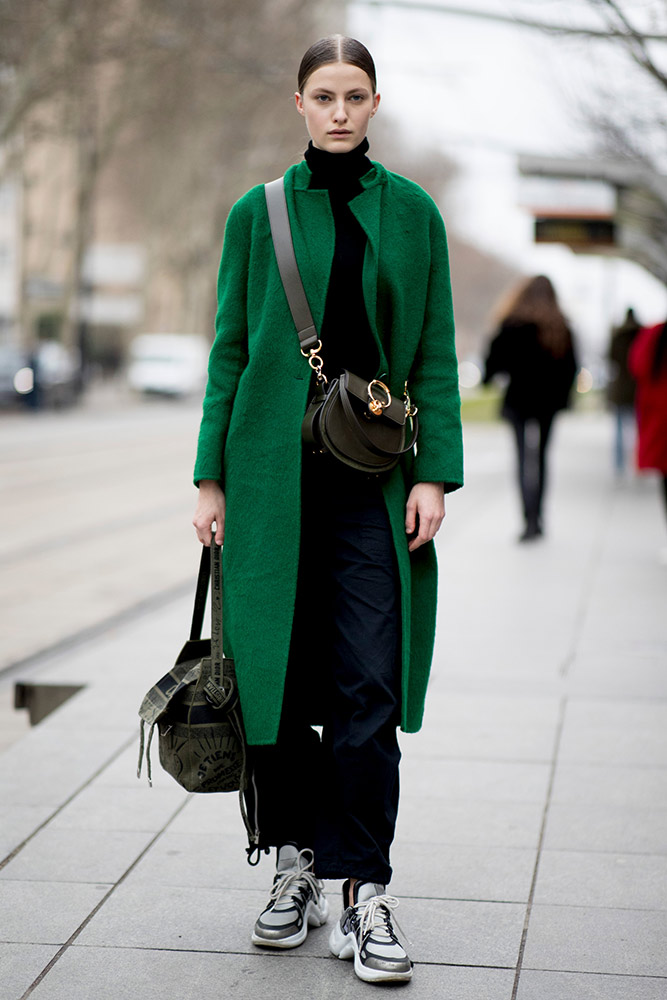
[250, 435]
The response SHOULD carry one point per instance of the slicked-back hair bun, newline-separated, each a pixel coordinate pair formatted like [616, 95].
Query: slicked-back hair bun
[335, 49]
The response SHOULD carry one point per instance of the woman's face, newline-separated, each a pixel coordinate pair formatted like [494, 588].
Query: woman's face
[337, 103]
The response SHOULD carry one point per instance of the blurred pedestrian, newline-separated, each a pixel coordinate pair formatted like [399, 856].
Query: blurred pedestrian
[329, 572]
[534, 347]
[621, 390]
[648, 364]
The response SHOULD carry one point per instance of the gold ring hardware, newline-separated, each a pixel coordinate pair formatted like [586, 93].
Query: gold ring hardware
[312, 350]
[316, 362]
[410, 409]
[375, 404]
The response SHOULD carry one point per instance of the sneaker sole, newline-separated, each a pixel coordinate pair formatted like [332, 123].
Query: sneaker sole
[345, 946]
[315, 916]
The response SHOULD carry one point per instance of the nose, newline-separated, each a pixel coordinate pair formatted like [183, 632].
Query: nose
[340, 114]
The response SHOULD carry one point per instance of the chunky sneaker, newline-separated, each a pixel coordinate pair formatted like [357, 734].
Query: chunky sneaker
[365, 933]
[295, 903]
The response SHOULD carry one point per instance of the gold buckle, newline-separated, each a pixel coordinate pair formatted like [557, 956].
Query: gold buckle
[375, 404]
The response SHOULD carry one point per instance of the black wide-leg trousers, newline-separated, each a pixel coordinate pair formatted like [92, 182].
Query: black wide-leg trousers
[338, 793]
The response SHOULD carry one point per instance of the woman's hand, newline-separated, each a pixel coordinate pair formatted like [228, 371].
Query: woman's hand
[210, 510]
[424, 513]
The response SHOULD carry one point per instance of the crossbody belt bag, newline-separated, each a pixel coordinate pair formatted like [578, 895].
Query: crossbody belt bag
[356, 421]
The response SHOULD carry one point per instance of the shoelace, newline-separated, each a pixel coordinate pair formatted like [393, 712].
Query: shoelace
[375, 914]
[298, 879]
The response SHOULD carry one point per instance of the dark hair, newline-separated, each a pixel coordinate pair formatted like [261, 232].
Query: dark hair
[333, 49]
[534, 301]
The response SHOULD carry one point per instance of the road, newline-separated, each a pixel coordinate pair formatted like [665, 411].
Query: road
[96, 508]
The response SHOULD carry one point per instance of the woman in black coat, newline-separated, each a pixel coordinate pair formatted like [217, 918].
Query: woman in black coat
[534, 347]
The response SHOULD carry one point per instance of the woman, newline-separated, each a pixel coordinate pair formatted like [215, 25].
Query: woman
[648, 363]
[621, 388]
[534, 347]
[330, 574]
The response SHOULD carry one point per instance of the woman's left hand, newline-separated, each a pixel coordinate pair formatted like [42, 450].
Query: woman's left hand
[424, 513]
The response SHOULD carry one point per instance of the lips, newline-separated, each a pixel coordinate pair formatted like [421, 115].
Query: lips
[340, 131]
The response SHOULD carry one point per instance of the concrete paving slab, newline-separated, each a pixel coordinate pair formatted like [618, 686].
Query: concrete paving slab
[596, 713]
[463, 710]
[448, 872]
[610, 785]
[568, 986]
[20, 964]
[420, 870]
[206, 861]
[108, 974]
[76, 856]
[19, 822]
[449, 932]
[135, 652]
[621, 676]
[481, 742]
[122, 771]
[212, 814]
[592, 939]
[639, 747]
[105, 808]
[623, 881]
[14, 724]
[469, 823]
[616, 828]
[463, 933]
[179, 917]
[34, 774]
[45, 912]
[94, 709]
[470, 779]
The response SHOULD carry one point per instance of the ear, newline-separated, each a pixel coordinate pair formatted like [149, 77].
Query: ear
[298, 100]
[376, 101]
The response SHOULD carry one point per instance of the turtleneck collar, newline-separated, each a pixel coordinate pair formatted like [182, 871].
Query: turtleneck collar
[337, 170]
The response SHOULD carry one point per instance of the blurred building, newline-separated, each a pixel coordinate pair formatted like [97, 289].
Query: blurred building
[616, 208]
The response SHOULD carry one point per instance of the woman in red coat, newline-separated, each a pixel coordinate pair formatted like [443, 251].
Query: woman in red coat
[647, 361]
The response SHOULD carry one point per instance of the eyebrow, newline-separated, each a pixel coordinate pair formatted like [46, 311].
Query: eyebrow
[352, 90]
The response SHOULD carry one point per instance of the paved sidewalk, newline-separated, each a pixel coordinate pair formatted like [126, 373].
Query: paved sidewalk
[531, 851]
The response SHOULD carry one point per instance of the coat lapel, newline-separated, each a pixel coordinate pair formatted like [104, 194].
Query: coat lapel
[367, 208]
[314, 238]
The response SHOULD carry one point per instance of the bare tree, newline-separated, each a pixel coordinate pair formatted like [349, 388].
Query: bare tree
[167, 102]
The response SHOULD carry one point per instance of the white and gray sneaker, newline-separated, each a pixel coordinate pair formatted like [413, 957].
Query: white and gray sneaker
[296, 902]
[365, 932]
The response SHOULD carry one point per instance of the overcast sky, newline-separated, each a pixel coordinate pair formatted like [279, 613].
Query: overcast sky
[482, 92]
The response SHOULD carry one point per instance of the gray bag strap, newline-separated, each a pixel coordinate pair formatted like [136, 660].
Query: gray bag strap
[276, 204]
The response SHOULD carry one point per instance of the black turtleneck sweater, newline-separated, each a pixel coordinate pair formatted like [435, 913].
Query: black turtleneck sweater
[347, 340]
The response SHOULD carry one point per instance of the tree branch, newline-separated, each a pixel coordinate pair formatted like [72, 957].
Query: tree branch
[635, 42]
[523, 22]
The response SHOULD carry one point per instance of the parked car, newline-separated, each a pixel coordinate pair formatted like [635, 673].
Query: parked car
[170, 364]
[47, 376]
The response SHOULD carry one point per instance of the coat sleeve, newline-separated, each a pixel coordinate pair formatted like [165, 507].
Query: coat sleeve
[229, 354]
[434, 381]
